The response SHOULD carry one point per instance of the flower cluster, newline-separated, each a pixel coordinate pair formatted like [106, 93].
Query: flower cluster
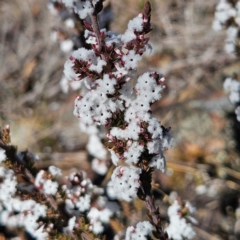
[142, 231]
[118, 102]
[180, 226]
[70, 35]
[43, 181]
[98, 218]
[63, 34]
[233, 87]
[16, 212]
[78, 197]
[227, 16]
[78, 194]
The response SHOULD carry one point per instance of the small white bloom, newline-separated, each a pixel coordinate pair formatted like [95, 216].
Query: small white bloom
[83, 203]
[99, 166]
[83, 8]
[40, 234]
[50, 187]
[69, 3]
[2, 155]
[142, 231]
[126, 182]
[71, 223]
[136, 24]
[55, 171]
[131, 59]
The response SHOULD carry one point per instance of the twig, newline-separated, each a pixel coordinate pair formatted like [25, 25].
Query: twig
[155, 216]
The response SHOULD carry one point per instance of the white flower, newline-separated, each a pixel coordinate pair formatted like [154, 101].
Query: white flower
[2, 155]
[83, 203]
[106, 85]
[155, 146]
[110, 191]
[83, 8]
[39, 234]
[154, 128]
[2, 172]
[132, 131]
[50, 187]
[66, 45]
[39, 180]
[71, 223]
[29, 221]
[55, 171]
[99, 166]
[142, 231]
[97, 227]
[128, 36]
[233, 86]
[126, 182]
[131, 59]
[178, 228]
[136, 24]
[40, 210]
[133, 153]
[69, 23]
[97, 65]
[69, 3]
[7, 188]
[158, 161]
[114, 157]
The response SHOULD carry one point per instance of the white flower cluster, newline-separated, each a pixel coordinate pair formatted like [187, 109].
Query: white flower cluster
[95, 146]
[81, 7]
[233, 86]
[47, 185]
[114, 95]
[227, 15]
[142, 231]
[179, 228]
[126, 182]
[17, 213]
[78, 195]
[78, 201]
[97, 218]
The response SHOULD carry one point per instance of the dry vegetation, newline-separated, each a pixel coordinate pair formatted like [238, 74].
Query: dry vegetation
[190, 55]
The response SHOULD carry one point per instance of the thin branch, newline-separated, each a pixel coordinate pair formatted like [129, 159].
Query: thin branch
[155, 216]
[97, 32]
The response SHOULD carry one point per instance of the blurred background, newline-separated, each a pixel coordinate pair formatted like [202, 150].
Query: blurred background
[203, 165]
